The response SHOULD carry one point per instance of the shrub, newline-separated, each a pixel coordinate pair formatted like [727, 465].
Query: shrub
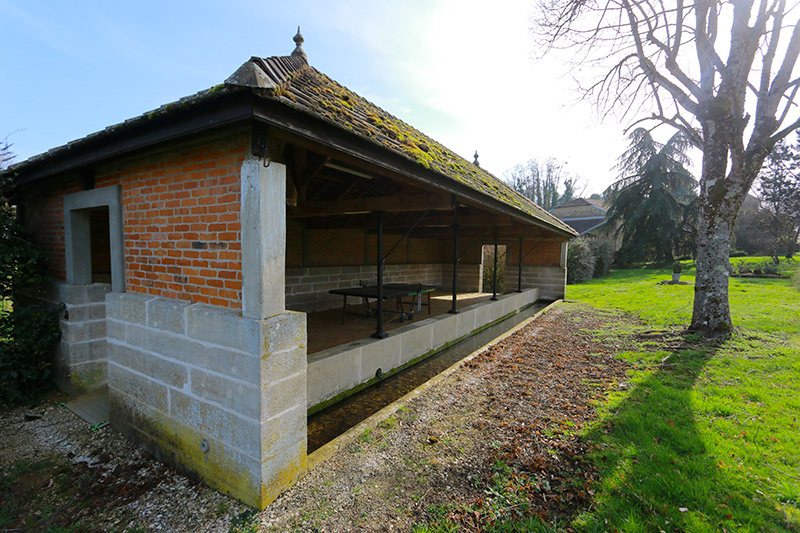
[769, 268]
[29, 328]
[580, 261]
[796, 278]
[677, 267]
[603, 256]
[738, 253]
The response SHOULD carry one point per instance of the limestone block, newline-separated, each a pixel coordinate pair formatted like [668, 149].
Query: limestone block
[379, 353]
[80, 313]
[467, 320]
[224, 425]
[82, 294]
[127, 307]
[482, 313]
[82, 331]
[84, 377]
[415, 340]
[494, 311]
[222, 327]
[283, 352]
[285, 428]
[167, 314]
[283, 395]
[228, 362]
[237, 396]
[280, 471]
[96, 292]
[138, 388]
[115, 330]
[156, 368]
[445, 330]
[221, 466]
[282, 332]
[83, 352]
[330, 373]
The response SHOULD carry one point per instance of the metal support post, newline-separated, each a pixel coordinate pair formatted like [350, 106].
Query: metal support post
[519, 277]
[380, 334]
[454, 309]
[494, 272]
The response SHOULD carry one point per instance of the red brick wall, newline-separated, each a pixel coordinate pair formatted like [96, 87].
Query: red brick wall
[43, 215]
[536, 253]
[181, 220]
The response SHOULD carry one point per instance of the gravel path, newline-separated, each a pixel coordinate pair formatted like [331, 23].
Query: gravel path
[520, 402]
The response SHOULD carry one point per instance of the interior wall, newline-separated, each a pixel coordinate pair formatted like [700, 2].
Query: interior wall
[326, 259]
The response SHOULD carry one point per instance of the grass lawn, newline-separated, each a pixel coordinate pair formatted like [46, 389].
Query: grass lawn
[786, 266]
[707, 435]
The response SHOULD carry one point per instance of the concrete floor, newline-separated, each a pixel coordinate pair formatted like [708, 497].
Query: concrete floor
[325, 328]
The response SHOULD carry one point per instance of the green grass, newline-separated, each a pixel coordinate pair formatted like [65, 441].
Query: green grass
[710, 439]
[786, 266]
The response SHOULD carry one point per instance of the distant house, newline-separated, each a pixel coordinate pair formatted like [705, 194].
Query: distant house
[189, 243]
[584, 215]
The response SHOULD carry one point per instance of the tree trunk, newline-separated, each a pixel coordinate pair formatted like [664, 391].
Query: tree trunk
[717, 212]
[711, 312]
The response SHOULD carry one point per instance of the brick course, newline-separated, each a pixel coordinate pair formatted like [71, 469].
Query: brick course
[181, 219]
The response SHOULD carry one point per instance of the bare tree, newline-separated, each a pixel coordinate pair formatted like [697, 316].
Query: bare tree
[779, 192]
[6, 155]
[720, 71]
[541, 180]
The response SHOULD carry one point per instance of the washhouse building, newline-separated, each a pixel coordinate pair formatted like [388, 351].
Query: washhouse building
[196, 248]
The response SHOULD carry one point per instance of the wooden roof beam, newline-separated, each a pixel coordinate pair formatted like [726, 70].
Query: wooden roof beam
[388, 204]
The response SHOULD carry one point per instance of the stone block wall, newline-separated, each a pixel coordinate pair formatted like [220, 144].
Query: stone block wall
[307, 288]
[550, 280]
[470, 277]
[215, 393]
[341, 369]
[80, 363]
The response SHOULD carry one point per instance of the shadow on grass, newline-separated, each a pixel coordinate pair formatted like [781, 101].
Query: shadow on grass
[656, 472]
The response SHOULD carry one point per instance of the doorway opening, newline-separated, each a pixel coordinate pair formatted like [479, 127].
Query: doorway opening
[487, 267]
[100, 244]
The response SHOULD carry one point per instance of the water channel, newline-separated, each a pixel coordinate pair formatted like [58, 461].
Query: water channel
[329, 423]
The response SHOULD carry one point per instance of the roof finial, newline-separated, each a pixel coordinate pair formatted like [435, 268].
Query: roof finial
[476, 159]
[298, 50]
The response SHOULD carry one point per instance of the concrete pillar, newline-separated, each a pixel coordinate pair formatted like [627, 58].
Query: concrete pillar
[282, 335]
[263, 238]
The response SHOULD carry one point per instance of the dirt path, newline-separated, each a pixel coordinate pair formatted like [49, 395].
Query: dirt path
[509, 416]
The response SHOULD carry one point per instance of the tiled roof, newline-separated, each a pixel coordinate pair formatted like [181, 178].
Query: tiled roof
[585, 225]
[290, 80]
[307, 89]
[577, 202]
[166, 109]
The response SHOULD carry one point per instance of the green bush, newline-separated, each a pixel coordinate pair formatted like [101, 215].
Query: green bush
[580, 261]
[29, 328]
[738, 253]
[796, 278]
[603, 256]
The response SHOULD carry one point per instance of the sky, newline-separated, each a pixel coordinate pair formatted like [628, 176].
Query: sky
[466, 73]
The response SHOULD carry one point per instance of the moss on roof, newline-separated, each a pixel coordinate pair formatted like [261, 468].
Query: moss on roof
[291, 81]
[315, 93]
